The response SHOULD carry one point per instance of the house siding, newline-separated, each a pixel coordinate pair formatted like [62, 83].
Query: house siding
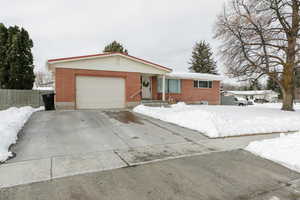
[189, 94]
[113, 62]
[65, 85]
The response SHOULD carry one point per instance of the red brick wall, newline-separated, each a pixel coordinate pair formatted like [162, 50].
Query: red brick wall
[190, 94]
[154, 88]
[65, 83]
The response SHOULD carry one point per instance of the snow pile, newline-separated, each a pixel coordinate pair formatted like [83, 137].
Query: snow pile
[179, 105]
[12, 120]
[284, 150]
[222, 121]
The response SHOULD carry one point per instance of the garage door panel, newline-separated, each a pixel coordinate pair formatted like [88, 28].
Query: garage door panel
[100, 92]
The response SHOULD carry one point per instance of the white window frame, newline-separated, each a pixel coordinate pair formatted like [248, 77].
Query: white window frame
[209, 84]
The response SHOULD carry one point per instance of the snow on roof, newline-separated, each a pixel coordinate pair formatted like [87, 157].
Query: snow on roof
[251, 92]
[196, 76]
[42, 88]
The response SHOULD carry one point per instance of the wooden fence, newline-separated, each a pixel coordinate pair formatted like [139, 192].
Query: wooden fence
[18, 98]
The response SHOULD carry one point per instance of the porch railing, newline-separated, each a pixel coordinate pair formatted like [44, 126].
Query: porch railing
[138, 92]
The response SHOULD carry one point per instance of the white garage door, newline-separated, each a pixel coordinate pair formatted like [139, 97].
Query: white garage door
[99, 92]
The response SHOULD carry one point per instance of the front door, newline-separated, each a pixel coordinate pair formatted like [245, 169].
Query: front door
[146, 87]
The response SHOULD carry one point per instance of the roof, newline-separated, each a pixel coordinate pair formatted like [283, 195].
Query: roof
[252, 92]
[67, 59]
[195, 76]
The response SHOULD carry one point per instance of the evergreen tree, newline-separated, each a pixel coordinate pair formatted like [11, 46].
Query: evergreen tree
[255, 85]
[202, 61]
[272, 85]
[17, 69]
[115, 47]
[4, 68]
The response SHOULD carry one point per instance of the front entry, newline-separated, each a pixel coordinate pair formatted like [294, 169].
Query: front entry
[146, 87]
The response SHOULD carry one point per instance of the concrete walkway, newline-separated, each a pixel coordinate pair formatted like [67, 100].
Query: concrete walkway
[216, 176]
[64, 143]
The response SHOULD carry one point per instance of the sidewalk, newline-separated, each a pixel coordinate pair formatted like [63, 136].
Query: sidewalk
[223, 175]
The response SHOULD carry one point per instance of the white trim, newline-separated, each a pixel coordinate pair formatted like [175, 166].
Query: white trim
[209, 83]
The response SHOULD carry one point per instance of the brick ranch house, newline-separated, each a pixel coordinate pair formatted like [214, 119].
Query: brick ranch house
[116, 80]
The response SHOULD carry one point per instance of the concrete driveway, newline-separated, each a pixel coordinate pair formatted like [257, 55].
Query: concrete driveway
[64, 143]
[60, 133]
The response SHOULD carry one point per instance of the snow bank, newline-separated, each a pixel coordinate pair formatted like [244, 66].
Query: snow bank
[222, 121]
[183, 115]
[284, 150]
[12, 120]
[179, 105]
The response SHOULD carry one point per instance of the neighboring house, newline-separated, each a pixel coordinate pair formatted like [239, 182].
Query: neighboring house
[268, 95]
[116, 80]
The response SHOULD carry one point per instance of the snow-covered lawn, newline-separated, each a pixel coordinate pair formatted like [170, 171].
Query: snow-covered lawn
[222, 121]
[284, 150]
[12, 120]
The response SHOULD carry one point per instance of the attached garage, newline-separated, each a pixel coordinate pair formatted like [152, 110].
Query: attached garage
[94, 92]
[101, 81]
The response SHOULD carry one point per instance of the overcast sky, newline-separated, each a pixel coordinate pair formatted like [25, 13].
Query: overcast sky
[162, 31]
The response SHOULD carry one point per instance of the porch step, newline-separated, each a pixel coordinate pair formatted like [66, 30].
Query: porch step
[155, 103]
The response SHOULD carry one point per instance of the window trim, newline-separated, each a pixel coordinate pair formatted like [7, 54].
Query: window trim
[196, 84]
[167, 88]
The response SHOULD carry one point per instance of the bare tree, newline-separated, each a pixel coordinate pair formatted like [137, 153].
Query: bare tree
[259, 38]
[43, 79]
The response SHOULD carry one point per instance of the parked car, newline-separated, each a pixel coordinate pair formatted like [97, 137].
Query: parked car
[240, 101]
[232, 100]
[250, 102]
[261, 101]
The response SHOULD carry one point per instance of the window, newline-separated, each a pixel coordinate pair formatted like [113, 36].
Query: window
[171, 86]
[174, 86]
[202, 84]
